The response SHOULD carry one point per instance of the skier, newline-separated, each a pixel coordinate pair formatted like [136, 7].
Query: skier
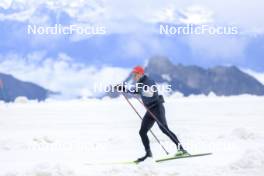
[147, 89]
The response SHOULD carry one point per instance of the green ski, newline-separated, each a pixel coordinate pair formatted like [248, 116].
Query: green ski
[156, 160]
[180, 157]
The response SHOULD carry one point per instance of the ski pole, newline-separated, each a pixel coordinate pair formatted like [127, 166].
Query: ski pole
[156, 118]
[141, 119]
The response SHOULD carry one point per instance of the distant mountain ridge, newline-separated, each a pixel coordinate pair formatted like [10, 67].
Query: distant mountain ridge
[196, 80]
[11, 88]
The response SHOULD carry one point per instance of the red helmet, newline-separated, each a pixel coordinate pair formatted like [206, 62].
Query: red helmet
[138, 69]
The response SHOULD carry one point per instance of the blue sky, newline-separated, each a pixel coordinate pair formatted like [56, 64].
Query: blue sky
[132, 36]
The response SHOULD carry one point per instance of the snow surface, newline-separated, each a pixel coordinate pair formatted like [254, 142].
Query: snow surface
[55, 138]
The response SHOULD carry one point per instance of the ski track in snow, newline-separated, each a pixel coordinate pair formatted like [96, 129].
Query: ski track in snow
[55, 138]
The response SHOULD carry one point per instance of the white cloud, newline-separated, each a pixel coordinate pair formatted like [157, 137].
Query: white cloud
[217, 47]
[245, 14]
[61, 73]
[5, 4]
[18, 16]
[166, 15]
[137, 18]
[196, 15]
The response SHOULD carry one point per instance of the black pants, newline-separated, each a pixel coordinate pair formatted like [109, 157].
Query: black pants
[148, 121]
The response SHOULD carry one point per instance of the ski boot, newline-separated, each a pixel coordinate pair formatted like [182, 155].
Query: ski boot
[147, 155]
[182, 152]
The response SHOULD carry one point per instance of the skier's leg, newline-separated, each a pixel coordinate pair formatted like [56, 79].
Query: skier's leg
[146, 125]
[164, 127]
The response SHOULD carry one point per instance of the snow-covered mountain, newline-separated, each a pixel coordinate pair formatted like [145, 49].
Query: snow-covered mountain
[196, 80]
[188, 80]
[11, 88]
